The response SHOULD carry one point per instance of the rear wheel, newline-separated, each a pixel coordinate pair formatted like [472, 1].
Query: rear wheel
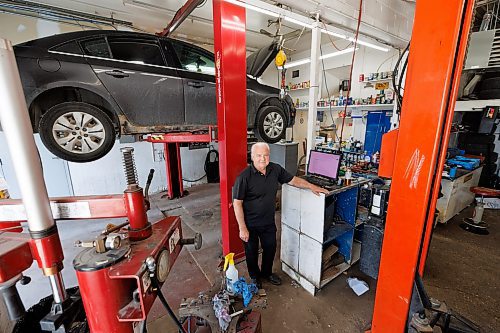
[271, 124]
[77, 132]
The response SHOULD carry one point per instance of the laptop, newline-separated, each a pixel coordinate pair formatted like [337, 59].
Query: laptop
[323, 168]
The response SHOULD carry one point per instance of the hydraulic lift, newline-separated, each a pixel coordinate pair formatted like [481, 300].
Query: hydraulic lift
[121, 271]
[437, 51]
[172, 153]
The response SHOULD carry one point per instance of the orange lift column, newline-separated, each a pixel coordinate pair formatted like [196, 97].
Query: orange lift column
[437, 51]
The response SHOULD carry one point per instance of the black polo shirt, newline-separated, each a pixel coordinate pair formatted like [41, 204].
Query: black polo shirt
[258, 192]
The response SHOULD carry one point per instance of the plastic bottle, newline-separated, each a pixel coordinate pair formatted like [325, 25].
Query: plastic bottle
[231, 272]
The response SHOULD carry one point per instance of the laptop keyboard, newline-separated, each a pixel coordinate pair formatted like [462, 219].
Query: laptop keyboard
[320, 182]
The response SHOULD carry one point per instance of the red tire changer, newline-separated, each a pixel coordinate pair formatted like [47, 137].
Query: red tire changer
[120, 272]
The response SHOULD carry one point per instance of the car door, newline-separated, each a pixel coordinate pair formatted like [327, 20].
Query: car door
[197, 69]
[135, 73]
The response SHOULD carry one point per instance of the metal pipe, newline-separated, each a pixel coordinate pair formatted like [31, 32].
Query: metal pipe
[17, 127]
[314, 87]
[57, 286]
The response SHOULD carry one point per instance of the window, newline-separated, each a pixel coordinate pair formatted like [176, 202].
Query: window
[96, 48]
[194, 59]
[138, 51]
[70, 47]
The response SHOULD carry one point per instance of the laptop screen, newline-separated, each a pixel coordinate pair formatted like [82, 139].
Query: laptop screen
[324, 164]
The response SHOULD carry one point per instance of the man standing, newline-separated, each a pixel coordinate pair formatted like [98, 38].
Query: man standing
[254, 200]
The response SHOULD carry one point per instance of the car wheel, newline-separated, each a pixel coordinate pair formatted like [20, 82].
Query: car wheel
[77, 132]
[270, 124]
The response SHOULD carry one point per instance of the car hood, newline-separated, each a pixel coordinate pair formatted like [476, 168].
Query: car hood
[258, 61]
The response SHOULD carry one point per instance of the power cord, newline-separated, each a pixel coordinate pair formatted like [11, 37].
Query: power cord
[151, 267]
[352, 67]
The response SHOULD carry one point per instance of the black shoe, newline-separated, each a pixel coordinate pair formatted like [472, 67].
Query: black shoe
[258, 283]
[274, 279]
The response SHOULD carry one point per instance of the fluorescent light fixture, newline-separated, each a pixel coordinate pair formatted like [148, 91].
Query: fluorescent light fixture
[373, 46]
[304, 24]
[297, 63]
[326, 56]
[283, 14]
[334, 34]
[334, 54]
[254, 8]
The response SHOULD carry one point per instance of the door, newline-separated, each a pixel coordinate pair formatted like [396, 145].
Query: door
[377, 123]
[135, 73]
[197, 69]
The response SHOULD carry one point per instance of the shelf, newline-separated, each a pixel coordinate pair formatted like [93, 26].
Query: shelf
[378, 80]
[336, 231]
[339, 269]
[367, 107]
[297, 89]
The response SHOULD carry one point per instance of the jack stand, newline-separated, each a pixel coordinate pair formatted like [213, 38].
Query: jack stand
[475, 224]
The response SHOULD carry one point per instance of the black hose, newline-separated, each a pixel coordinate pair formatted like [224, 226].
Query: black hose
[165, 304]
[397, 89]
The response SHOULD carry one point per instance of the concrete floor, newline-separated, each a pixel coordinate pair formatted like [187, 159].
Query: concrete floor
[462, 269]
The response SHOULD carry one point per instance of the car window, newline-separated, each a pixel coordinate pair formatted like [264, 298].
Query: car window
[194, 59]
[96, 48]
[70, 47]
[136, 51]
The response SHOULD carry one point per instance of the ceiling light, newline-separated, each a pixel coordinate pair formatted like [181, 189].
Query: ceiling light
[326, 56]
[284, 14]
[304, 24]
[334, 54]
[334, 34]
[297, 63]
[254, 8]
[373, 46]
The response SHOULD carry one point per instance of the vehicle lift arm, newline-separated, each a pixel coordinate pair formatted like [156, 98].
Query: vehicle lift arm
[437, 51]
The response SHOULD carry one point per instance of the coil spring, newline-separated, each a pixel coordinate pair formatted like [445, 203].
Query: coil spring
[129, 165]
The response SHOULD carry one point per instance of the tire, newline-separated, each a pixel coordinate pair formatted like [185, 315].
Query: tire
[491, 83]
[478, 149]
[489, 94]
[475, 138]
[270, 124]
[88, 142]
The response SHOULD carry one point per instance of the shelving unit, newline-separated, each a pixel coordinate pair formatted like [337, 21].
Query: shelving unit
[296, 89]
[367, 107]
[309, 225]
[378, 80]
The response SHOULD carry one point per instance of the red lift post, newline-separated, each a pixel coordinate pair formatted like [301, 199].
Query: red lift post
[172, 153]
[230, 81]
[437, 52]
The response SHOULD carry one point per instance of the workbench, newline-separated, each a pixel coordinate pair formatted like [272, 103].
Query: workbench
[310, 224]
[456, 193]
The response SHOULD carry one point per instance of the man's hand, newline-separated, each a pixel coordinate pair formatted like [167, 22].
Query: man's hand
[317, 190]
[244, 234]
[302, 183]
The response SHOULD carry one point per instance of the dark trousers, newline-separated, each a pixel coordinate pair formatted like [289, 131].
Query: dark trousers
[267, 237]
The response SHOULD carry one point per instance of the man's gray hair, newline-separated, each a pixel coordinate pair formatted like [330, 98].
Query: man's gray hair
[259, 145]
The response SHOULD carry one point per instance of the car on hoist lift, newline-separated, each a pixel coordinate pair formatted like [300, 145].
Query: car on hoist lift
[83, 89]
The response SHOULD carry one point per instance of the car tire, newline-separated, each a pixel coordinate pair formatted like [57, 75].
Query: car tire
[489, 94]
[270, 124]
[88, 142]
